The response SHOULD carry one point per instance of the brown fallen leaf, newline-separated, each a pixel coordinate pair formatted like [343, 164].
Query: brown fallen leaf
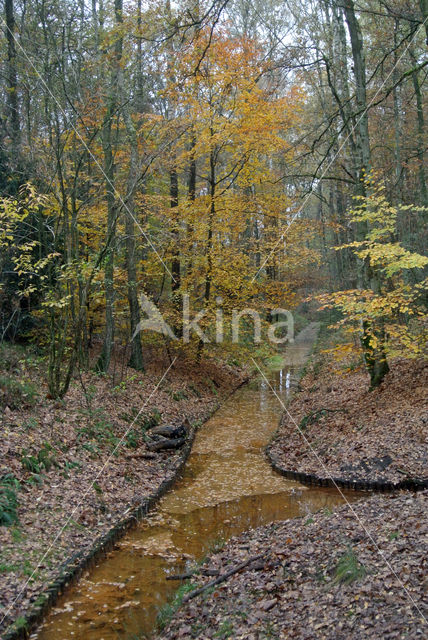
[266, 605]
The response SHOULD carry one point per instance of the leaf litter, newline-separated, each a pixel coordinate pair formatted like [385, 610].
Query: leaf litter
[91, 481]
[331, 576]
[355, 434]
[350, 574]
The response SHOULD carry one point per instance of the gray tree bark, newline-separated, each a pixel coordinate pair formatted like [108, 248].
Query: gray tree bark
[375, 356]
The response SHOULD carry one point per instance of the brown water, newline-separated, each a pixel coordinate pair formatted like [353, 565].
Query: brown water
[227, 487]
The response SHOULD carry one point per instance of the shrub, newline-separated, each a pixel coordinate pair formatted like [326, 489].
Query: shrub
[179, 395]
[349, 568]
[43, 460]
[15, 393]
[9, 486]
[131, 439]
[98, 428]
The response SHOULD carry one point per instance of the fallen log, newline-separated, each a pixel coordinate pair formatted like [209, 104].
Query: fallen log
[221, 578]
[166, 443]
[137, 456]
[168, 431]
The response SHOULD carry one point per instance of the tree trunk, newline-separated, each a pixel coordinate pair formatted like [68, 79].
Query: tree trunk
[140, 80]
[191, 192]
[12, 85]
[397, 120]
[209, 245]
[175, 264]
[420, 133]
[373, 332]
[211, 216]
[341, 58]
[424, 10]
[136, 357]
[109, 176]
[358, 57]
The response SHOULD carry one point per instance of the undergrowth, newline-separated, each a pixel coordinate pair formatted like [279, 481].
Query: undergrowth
[349, 569]
[9, 486]
[167, 612]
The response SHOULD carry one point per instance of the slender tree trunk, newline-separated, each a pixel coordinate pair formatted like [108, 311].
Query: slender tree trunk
[191, 192]
[175, 265]
[420, 133]
[341, 58]
[191, 184]
[338, 80]
[140, 81]
[397, 119]
[424, 10]
[12, 85]
[136, 357]
[358, 58]
[209, 244]
[173, 191]
[109, 175]
[105, 356]
[211, 216]
[373, 332]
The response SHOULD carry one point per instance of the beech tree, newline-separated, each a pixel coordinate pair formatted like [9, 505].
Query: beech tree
[210, 150]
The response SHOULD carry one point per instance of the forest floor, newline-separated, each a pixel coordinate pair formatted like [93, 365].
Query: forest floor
[68, 472]
[358, 573]
[348, 432]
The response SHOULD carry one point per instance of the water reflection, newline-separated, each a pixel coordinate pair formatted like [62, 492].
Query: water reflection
[227, 487]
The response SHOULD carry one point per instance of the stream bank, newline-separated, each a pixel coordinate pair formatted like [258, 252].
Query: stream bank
[57, 452]
[356, 573]
[227, 487]
[336, 432]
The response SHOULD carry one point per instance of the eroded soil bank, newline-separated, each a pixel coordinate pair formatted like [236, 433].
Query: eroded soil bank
[354, 574]
[77, 479]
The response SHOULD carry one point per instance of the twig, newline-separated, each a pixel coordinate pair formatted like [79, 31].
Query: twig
[221, 578]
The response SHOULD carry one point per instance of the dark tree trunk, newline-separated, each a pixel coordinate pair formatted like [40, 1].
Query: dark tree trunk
[175, 263]
[420, 133]
[109, 175]
[424, 10]
[373, 333]
[136, 357]
[191, 191]
[175, 266]
[12, 85]
[212, 185]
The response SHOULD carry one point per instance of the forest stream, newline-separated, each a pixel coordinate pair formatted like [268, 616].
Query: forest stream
[227, 487]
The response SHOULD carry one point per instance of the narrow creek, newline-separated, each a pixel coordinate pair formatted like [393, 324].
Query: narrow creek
[227, 487]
